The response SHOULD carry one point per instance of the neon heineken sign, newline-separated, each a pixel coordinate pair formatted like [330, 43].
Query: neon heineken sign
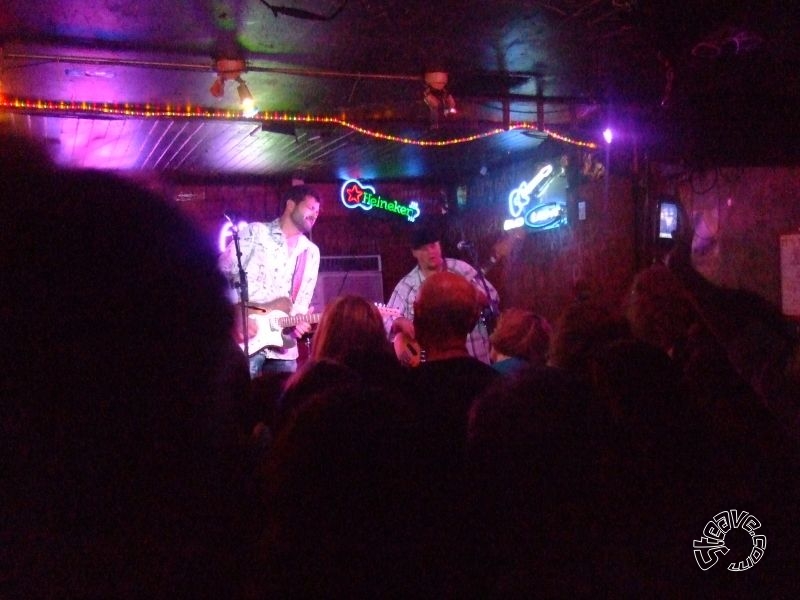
[526, 205]
[356, 194]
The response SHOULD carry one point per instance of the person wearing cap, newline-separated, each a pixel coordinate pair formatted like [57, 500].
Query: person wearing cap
[427, 250]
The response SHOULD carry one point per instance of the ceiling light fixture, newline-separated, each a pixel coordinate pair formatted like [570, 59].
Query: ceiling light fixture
[231, 69]
[249, 108]
[440, 102]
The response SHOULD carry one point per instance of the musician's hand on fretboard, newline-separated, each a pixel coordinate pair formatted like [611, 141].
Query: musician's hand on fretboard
[303, 327]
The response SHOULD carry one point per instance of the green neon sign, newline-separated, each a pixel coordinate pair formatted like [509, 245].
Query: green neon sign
[355, 194]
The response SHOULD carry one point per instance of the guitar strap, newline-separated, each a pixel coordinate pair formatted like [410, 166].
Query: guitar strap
[246, 261]
[297, 277]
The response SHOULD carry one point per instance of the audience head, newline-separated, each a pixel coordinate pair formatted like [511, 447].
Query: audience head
[580, 330]
[116, 333]
[445, 311]
[659, 308]
[341, 487]
[521, 333]
[114, 278]
[350, 334]
[530, 467]
[639, 391]
[532, 418]
[350, 330]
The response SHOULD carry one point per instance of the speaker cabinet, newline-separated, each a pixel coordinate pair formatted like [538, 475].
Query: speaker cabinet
[333, 284]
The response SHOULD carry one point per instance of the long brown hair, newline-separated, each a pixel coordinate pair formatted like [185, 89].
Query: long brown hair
[350, 327]
[524, 334]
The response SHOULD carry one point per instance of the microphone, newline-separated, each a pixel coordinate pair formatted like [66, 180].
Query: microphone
[465, 245]
[234, 220]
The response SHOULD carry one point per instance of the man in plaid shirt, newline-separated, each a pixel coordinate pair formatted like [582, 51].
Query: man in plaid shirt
[427, 249]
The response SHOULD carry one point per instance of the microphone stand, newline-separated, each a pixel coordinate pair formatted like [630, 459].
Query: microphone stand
[493, 308]
[244, 295]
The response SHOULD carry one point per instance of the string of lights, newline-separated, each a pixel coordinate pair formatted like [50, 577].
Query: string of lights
[148, 111]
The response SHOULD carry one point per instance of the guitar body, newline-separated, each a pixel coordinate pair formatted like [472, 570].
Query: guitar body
[271, 323]
[270, 326]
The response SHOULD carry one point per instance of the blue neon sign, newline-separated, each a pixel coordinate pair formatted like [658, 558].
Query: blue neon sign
[527, 207]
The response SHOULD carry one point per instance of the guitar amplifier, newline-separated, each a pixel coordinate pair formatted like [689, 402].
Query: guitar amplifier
[342, 275]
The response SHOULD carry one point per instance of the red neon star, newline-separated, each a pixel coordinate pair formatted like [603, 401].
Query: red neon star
[354, 194]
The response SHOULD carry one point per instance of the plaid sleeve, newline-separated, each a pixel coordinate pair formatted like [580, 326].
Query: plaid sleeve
[470, 274]
[402, 298]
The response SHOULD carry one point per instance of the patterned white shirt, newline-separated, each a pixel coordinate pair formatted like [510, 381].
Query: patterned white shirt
[406, 290]
[270, 267]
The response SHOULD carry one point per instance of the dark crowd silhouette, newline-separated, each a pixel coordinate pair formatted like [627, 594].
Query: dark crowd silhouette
[140, 460]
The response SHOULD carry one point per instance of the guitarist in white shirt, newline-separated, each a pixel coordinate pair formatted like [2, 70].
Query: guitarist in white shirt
[281, 264]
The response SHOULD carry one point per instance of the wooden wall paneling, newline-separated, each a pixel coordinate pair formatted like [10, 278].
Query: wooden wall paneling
[543, 274]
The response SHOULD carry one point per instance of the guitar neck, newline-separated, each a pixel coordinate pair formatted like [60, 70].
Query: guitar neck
[290, 321]
[284, 322]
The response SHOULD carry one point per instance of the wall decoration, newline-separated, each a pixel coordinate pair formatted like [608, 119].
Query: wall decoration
[356, 194]
[528, 206]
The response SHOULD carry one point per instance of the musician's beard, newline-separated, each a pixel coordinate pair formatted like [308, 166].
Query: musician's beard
[301, 222]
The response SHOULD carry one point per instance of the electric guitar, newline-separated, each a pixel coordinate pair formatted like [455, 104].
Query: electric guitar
[271, 324]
